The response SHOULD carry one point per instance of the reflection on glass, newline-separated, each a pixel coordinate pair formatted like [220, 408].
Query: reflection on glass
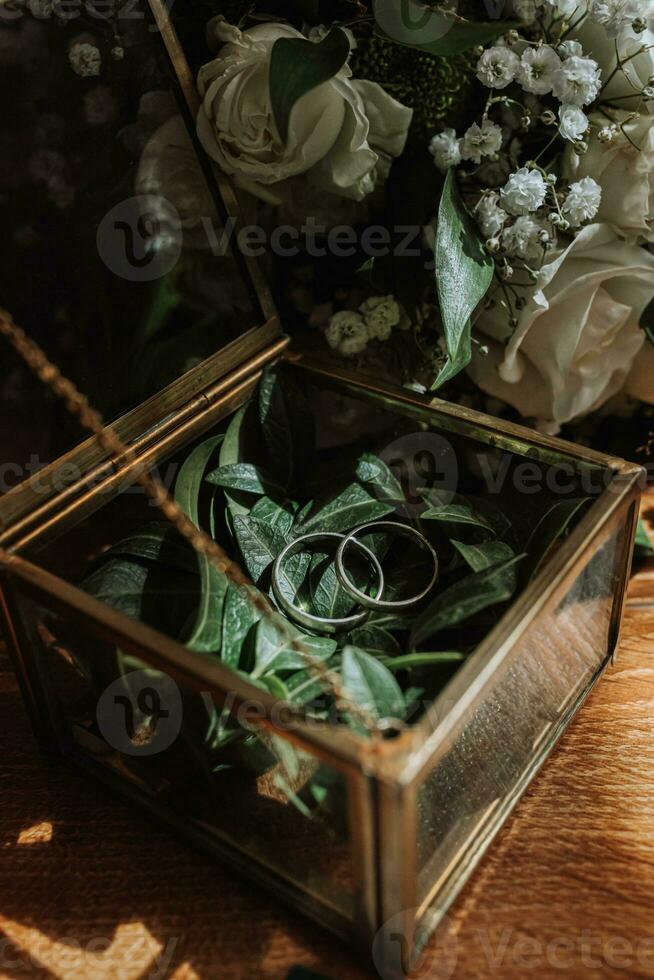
[500, 739]
[110, 246]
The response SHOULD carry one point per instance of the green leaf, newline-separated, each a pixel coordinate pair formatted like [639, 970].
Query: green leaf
[287, 425]
[206, 632]
[273, 650]
[464, 271]
[303, 686]
[260, 544]
[643, 543]
[370, 684]
[276, 687]
[239, 616]
[374, 472]
[156, 542]
[455, 514]
[482, 556]
[328, 597]
[245, 477]
[420, 26]
[239, 444]
[351, 507]
[411, 661]
[298, 66]
[191, 476]
[375, 640]
[465, 598]
[275, 516]
[549, 529]
[156, 594]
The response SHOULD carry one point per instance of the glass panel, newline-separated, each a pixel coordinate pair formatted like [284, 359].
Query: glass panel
[109, 252]
[205, 765]
[364, 463]
[498, 742]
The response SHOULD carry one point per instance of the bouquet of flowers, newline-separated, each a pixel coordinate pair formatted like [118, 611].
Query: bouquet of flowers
[470, 188]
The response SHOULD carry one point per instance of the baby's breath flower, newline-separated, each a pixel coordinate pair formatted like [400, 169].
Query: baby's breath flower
[524, 191]
[497, 66]
[537, 68]
[607, 133]
[569, 49]
[481, 141]
[525, 238]
[446, 149]
[615, 15]
[85, 59]
[347, 333]
[381, 314]
[573, 122]
[577, 81]
[583, 201]
[490, 217]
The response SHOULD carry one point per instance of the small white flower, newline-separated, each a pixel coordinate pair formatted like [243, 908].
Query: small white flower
[524, 191]
[481, 141]
[616, 15]
[381, 314]
[490, 217]
[525, 238]
[577, 81]
[570, 49]
[497, 66]
[85, 59]
[446, 149]
[583, 201]
[347, 333]
[573, 122]
[536, 70]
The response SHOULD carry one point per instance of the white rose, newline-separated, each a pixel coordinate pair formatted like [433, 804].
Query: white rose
[339, 132]
[578, 336]
[637, 71]
[625, 174]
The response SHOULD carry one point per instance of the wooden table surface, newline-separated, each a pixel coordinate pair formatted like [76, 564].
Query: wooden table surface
[89, 889]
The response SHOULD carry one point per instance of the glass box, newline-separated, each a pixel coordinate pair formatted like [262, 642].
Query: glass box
[409, 815]
[372, 837]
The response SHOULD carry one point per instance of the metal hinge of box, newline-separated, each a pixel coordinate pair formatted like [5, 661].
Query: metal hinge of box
[47, 494]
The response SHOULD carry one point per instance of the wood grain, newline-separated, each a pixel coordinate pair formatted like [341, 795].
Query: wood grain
[89, 889]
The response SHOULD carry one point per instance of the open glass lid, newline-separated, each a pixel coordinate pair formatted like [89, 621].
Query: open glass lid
[114, 255]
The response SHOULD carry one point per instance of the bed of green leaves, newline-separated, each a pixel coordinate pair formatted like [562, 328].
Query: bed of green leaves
[263, 482]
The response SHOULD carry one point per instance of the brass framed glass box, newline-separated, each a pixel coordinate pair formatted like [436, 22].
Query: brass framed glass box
[373, 838]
